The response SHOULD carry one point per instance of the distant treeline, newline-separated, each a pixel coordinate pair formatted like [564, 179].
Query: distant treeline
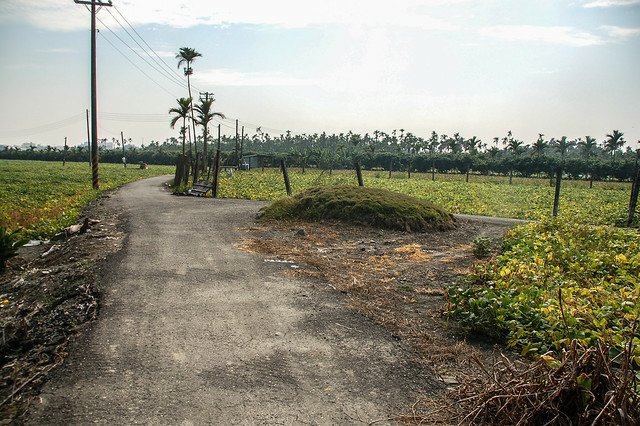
[579, 159]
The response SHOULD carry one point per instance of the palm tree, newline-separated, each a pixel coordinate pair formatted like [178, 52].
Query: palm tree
[587, 148]
[182, 111]
[186, 56]
[205, 115]
[562, 146]
[614, 142]
[539, 145]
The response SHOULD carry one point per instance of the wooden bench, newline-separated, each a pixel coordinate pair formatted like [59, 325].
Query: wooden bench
[200, 188]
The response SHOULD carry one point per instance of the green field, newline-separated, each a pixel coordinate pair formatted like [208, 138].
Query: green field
[605, 203]
[43, 197]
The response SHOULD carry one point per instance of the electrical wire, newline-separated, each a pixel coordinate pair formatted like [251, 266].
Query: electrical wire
[161, 68]
[137, 67]
[170, 68]
[44, 128]
[139, 55]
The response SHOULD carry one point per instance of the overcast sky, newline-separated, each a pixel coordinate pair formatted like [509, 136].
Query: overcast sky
[558, 67]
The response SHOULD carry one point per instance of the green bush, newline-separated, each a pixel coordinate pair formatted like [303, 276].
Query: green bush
[9, 244]
[367, 206]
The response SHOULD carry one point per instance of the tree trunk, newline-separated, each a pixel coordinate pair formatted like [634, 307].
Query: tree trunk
[390, 167]
[510, 177]
[556, 197]
[467, 177]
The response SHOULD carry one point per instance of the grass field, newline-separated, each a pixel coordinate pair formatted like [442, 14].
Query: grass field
[43, 197]
[529, 198]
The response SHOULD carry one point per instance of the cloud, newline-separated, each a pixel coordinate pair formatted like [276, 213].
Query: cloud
[225, 77]
[620, 33]
[63, 15]
[610, 3]
[567, 36]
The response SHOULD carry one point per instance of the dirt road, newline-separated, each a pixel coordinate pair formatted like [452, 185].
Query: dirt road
[194, 331]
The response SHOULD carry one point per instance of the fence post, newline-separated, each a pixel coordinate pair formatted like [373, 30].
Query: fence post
[216, 173]
[285, 173]
[358, 173]
[556, 196]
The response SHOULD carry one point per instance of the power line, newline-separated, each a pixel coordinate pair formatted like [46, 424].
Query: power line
[44, 128]
[139, 55]
[170, 68]
[161, 69]
[135, 65]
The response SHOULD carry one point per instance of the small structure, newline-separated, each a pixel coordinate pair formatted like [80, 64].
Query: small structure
[200, 188]
[255, 161]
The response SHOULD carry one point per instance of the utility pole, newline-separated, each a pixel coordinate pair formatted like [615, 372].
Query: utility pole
[218, 137]
[206, 96]
[237, 158]
[124, 157]
[94, 89]
[242, 143]
[88, 138]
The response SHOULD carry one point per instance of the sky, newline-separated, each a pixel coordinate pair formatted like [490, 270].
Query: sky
[477, 67]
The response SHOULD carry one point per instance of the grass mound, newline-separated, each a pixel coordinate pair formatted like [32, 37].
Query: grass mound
[368, 206]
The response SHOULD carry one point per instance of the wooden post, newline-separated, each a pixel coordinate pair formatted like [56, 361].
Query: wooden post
[196, 166]
[64, 152]
[285, 174]
[358, 173]
[216, 173]
[556, 197]
[390, 167]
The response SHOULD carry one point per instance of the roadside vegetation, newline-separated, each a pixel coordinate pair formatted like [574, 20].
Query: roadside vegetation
[41, 197]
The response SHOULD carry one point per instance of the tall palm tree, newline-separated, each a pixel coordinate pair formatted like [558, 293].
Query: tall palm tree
[539, 146]
[182, 112]
[205, 115]
[614, 142]
[185, 56]
[587, 148]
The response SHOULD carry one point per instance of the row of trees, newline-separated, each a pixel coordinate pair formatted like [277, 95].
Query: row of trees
[583, 158]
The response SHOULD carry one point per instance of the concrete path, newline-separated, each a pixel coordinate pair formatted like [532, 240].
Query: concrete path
[193, 331]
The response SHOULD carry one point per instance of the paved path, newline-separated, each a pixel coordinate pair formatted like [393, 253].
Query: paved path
[193, 331]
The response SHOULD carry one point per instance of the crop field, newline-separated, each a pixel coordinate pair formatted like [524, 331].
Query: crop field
[43, 197]
[605, 203]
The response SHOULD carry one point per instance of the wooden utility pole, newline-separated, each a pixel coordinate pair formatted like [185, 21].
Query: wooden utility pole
[124, 157]
[88, 138]
[242, 143]
[218, 137]
[64, 153]
[237, 158]
[94, 90]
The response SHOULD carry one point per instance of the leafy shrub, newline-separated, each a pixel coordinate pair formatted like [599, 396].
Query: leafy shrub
[482, 247]
[556, 281]
[9, 244]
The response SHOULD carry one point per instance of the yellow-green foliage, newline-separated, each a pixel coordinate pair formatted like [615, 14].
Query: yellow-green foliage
[554, 281]
[367, 206]
[490, 196]
[43, 197]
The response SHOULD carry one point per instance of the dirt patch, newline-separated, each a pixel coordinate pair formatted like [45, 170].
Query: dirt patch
[46, 294]
[397, 279]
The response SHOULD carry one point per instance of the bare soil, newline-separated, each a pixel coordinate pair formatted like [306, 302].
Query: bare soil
[46, 294]
[400, 281]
